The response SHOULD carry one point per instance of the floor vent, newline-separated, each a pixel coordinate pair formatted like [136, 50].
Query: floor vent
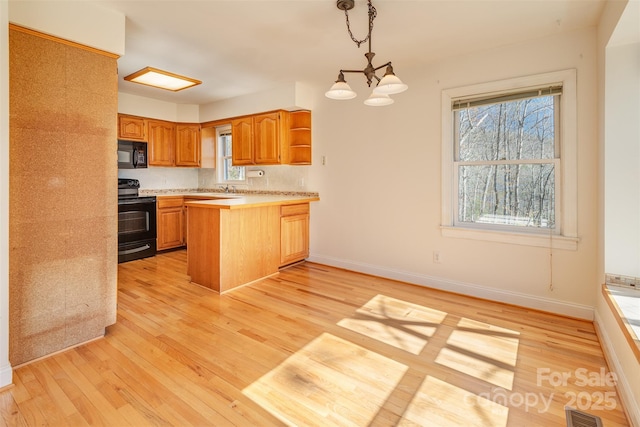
[577, 418]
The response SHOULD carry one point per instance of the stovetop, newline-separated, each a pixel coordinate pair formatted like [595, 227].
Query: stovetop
[128, 192]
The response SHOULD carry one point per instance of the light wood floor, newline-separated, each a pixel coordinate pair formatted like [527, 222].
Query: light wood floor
[314, 346]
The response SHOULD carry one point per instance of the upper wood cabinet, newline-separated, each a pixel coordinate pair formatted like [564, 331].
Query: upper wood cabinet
[297, 150]
[256, 139]
[188, 147]
[161, 139]
[271, 138]
[173, 144]
[242, 141]
[279, 137]
[266, 138]
[131, 128]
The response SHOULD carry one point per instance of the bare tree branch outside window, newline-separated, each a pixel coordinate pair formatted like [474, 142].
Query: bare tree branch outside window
[506, 162]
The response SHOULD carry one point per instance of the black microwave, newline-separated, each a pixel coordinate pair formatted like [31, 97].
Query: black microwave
[132, 154]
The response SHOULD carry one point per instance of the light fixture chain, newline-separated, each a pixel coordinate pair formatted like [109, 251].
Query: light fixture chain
[372, 15]
[389, 84]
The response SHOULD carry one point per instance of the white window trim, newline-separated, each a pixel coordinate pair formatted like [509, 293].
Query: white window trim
[220, 159]
[566, 206]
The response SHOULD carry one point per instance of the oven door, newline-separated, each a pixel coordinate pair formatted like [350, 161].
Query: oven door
[136, 250]
[136, 228]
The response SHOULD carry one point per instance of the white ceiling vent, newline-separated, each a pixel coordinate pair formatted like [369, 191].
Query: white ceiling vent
[577, 418]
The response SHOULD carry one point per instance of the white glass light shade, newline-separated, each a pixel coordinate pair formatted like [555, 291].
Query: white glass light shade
[340, 90]
[378, 100]
[390, 84]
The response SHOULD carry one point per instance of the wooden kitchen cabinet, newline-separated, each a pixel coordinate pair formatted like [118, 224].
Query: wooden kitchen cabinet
[173, 144]
[161, 139]
[271, 138]
[242, 141]
[298, 147]
[294, 233]
[234, 244]
[266, 138]
[170, 222]
[256, 139]
[188, 146]
[131, 128]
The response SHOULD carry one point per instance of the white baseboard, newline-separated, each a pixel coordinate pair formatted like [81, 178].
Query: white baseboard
[626, 395]
[6, 376]
[523, 300]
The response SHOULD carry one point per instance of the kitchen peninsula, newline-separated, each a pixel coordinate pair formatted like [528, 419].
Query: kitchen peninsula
[237, 241]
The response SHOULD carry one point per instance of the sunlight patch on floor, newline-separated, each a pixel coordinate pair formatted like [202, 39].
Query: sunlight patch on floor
[438, 403]
[322, 383]
[395, 322]
[495, 352]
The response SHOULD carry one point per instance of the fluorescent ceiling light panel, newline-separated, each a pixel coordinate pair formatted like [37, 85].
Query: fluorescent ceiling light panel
[162, 79]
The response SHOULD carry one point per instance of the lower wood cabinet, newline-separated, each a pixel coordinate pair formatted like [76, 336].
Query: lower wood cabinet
[294, 233]
[294, 227]
[170, 222]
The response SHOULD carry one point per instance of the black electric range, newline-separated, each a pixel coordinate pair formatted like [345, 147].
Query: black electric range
[136, 222]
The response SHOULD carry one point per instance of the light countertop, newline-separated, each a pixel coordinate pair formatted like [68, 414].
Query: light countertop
[243, 201]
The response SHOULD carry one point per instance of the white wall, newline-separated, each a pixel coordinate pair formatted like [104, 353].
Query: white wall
[5, 366]
[81, 22]
[621, 359]
[159, 178]
[618, 45]
[380, 188]
[276, 178]
[622, 160]
[155, 109]
[281, 97]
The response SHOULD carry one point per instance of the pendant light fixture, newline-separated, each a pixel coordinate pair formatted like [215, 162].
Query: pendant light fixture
[389, 84]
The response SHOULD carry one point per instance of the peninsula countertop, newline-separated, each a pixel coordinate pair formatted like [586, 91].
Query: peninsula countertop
[243, 201]
[237, 239]
[222, 200]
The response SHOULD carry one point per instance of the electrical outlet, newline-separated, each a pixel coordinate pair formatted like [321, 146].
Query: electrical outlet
[324, 160]
[436, 257]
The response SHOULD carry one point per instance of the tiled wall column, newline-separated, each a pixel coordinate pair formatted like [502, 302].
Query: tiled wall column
[62, 193]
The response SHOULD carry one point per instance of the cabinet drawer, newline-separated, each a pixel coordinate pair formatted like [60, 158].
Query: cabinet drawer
[169, 202]
[289, 210]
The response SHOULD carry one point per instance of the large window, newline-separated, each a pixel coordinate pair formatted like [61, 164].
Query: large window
[507, 158]
[509, 155]
[227, 173]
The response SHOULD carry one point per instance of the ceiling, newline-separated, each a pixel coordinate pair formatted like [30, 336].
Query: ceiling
[243, 46]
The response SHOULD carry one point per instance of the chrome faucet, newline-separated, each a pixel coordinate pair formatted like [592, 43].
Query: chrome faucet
[225, 188]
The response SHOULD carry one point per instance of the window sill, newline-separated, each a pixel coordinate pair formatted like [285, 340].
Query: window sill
[614, 295]
[543, 241]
